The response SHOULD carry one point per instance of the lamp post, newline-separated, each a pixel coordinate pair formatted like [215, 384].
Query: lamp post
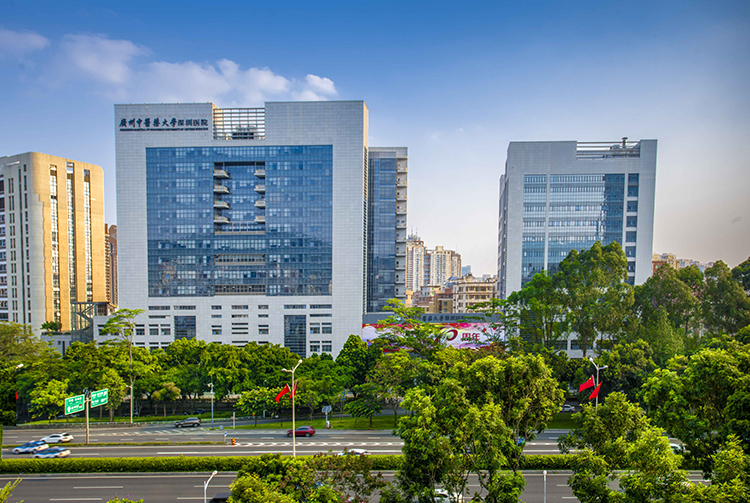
[294, 431]
[205, 486]
[211, 385]
[598, 368]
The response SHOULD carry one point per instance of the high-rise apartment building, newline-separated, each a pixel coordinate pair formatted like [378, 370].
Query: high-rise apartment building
[415, 266]
[469, 290]
[110, 253]
[251, 224]
[386, 226]
[51, 239]
[444, 264]
[559, 196]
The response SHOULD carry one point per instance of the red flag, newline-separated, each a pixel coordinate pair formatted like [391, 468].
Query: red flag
[595, 393]
[283, 392]
[294, 390]
[588, 384]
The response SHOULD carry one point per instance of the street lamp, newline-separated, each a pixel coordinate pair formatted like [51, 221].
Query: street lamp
[211, 384]
[205, 486]
[294, 431]
[598, 368]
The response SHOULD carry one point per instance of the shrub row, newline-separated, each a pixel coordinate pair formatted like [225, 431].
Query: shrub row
[225, 464]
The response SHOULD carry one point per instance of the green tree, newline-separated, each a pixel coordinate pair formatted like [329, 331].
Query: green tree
[726, 306]
[355, 360]
[607, 429]
[168, 393]
[392, 376]
[367, 403]
[252, 489]
[122, 325]
[404, 329]
[48, 398]
[594, 291]
[703, 399]
[255, 401]
[7, 491]
[540, 313]
[629, 366]
[188, 360]
[741, 274]
[52, 326]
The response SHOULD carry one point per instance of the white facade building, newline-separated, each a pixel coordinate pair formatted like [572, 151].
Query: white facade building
[565, 195]
[244, 225]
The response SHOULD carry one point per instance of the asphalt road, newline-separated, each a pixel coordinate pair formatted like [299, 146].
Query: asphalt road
[249, 443]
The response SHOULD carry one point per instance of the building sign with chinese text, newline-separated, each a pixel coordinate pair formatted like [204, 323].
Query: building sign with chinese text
[162, 124]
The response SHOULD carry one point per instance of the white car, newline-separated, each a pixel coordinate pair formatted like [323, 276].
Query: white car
[442, 496]
[56, 438]
[354, 452]
[568, 408]
[52, 452]
[31, 447]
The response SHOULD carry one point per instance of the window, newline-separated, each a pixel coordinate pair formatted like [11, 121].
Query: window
[633, 191]
[294, 306]
[215, 330]
[632, 206]
[140, 331]
[327, 346]
[153, 330]
[632, 221]
[631, 266]
[327, 328]
[215, 307]
[314, 328]
[262, 329]
[320, 306]
[263, 315]
[263, 306]
[184, 308]
[166, 331]
[239, 316]
[184, 327]
[630, 237]
[314, 347]
[630, 251]
[158, 308]
[633, 178]
[239, 307]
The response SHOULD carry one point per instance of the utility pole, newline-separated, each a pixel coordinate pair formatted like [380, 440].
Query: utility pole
[86, 402]
[598, 368]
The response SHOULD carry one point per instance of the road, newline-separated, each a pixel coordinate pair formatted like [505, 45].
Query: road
[249, 442]
[175, 488]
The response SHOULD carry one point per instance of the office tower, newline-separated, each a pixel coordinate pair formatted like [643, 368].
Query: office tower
[245, 224]
[559, 196]
[443, 265]
[51, 239]
[110, 253]
[465, 270]
[386, 226]
[415, 266]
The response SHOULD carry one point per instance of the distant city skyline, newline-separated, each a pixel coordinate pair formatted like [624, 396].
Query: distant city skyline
[454, 84]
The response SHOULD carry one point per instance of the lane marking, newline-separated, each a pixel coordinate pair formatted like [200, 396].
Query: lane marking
[75, 499]
[98, 487]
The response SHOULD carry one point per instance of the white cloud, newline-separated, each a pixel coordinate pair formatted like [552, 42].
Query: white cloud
[17, 45]
[105, 60]
[321, 85]
[114, 65]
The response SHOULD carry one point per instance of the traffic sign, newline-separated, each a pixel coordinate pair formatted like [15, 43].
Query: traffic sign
[327, 409]
[100, 397]
[74, 404]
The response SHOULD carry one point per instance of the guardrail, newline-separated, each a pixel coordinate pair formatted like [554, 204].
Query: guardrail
[117, 424]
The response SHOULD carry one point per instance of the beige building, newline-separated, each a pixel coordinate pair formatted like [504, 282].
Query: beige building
[443, 265]
[659, 260]
[470, 290]
[110, 254]
[414, 263]
[52, 246]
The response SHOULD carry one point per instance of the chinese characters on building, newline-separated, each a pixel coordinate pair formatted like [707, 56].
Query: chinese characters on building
[162, 124]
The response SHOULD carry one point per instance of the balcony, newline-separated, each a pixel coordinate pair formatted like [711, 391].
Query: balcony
[221, 205]
[261, 189]
[220, 219]
[400, 195]
[401, 210]
[220, 173]
[260, 172]
[221, 189]
[400, 182]
[401, 224]
[260, 219]
[260, 203]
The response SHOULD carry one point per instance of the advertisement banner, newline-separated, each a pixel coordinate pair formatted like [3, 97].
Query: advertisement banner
[460, 335]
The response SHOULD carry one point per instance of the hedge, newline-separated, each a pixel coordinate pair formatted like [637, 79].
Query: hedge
[384, 462]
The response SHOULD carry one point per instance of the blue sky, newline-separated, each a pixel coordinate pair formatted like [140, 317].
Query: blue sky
[454, 82]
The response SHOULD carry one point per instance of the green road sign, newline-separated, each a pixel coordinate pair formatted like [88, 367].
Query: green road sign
[100, 397]
[74, 404]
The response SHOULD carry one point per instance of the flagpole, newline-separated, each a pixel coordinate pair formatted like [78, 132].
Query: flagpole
[294, 427]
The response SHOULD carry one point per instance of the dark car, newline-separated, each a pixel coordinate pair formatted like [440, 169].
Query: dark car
[220, 498]
[190, 421]
[302, 431]
[198, 412]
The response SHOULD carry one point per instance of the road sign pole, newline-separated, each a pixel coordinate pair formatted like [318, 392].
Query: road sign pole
[86, 405]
